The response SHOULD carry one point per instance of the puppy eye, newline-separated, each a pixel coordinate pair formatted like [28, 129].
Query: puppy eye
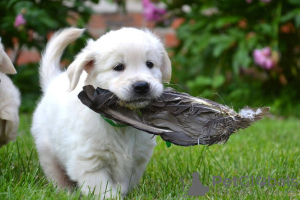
[149, 64]
[119, 67]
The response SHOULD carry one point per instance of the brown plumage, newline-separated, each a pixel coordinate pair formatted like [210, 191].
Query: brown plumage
[176, 117]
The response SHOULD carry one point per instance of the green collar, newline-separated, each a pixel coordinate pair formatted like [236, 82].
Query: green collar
[111, 122]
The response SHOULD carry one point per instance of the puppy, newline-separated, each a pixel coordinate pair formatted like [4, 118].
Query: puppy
[77, 146]
[9, 100]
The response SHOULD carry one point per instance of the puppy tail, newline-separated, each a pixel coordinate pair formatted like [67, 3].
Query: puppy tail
[50, 63]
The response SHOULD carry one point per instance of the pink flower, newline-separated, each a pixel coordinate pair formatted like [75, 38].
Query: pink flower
[19, 21]
[249, 1]
[151, 12]
[266, 51]
[265, 58]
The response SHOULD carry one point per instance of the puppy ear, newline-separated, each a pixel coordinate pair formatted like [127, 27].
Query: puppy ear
[6, 65]
[166, 69]
[83, 61]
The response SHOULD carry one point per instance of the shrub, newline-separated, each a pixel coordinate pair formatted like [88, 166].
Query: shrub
[246, 51]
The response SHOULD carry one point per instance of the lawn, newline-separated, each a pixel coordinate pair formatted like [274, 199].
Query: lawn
[270, 148]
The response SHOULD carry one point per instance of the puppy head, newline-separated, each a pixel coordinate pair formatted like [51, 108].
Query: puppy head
[6, 65]
[129, 62]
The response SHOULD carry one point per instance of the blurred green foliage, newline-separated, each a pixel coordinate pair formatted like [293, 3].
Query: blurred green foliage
[217, 40]
[41, 19]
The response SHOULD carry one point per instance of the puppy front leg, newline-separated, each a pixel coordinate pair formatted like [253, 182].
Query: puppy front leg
[99, 183]
[92, 176]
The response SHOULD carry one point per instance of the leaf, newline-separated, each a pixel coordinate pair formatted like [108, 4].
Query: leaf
[264, 29]
[221, 21]
[221, 43]
[203, 42]
[218, 81]
[241, 58]
[168, 144]
[11, 3]
[202, 81]
[236, 33]
[297, 21]
[252, 42]
[294, 2]
[221, 47]
[290, 15]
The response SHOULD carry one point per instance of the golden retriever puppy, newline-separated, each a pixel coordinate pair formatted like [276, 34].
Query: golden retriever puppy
[77, 146]
[9, 101]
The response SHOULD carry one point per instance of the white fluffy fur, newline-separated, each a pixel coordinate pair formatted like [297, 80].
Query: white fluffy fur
[249, 113]
[9, 101]
[74, 143]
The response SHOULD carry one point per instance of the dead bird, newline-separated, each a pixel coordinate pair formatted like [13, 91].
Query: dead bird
[177, 117]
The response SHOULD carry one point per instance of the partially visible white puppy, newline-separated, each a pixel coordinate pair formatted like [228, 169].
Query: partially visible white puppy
[9, 100]
[75, 145]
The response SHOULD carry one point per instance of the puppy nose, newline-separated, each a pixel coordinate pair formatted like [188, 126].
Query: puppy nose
[141, 87]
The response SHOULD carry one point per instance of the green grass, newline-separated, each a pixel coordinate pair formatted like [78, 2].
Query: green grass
[269, 148]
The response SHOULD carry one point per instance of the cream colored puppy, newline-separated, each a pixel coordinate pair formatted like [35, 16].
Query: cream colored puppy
[9, 101]
[75, 145]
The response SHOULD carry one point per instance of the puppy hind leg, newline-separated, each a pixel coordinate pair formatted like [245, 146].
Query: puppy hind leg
[53, 169]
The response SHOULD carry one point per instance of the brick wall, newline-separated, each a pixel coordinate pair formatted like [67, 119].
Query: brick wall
[107, 16]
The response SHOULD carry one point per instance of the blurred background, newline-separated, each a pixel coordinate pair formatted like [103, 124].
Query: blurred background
[237, 52]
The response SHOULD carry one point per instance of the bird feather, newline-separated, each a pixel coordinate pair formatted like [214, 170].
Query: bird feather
[176, 117]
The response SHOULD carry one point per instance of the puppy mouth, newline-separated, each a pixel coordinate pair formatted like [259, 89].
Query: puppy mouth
[136, 103]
